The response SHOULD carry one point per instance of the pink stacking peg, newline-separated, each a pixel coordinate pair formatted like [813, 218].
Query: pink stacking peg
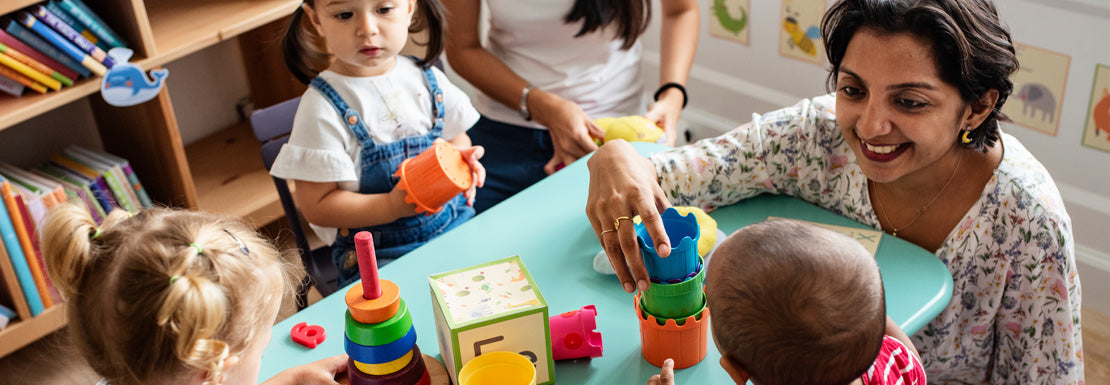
[367, 265]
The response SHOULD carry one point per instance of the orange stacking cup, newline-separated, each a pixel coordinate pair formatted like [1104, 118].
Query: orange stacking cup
[685, 344]
[434, 177]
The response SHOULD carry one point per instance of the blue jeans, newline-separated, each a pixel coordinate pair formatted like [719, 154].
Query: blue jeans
[514, 159]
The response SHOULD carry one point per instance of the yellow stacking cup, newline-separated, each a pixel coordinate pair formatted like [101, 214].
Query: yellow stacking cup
[498, 368]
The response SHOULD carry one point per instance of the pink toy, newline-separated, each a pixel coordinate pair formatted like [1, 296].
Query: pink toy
[308, 335]
[367, 265]
[573, 335]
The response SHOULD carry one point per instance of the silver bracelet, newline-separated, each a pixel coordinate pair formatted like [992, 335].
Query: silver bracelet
[524, 112]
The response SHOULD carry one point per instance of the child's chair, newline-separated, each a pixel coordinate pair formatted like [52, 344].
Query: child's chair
[271, 126]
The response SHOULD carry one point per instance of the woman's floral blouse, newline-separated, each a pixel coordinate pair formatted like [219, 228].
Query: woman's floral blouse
[1014, 313]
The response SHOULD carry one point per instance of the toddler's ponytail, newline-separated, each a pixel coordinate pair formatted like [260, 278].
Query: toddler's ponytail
[194, 310]
[300, 46]
[69, 235]
[434, 21]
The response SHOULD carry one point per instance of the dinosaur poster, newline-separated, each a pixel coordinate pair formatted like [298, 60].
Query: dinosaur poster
[1038, 92]
[728, 19]
[1097, 133]
[800, 30]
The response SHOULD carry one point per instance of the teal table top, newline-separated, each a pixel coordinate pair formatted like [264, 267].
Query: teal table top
[546, 225]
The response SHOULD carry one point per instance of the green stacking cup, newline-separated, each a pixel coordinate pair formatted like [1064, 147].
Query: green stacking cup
[676, 300]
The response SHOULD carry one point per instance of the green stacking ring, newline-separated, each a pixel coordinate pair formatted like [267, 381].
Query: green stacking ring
[380, 333]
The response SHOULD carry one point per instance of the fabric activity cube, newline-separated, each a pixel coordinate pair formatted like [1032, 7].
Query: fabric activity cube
[494, 306]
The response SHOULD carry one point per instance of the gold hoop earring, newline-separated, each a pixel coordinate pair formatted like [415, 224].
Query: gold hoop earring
[964, 138]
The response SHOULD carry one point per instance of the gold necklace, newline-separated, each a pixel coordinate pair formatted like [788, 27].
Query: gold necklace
[921, 211]
[393, 115]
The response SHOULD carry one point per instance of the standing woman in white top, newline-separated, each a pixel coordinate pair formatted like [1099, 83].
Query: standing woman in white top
[549, 68]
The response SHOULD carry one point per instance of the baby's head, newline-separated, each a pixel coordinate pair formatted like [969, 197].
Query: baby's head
[167, 296]
[794, 303]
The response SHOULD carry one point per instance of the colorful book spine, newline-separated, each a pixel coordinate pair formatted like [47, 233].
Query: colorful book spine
[76, 25]
[17, 45]
[98, 180]
[30, 38]
[122, 170]
[26, 81]
[73, 36]
[144, 198]
[29, 72]
[6, 316]
[78, 185]
[10, 86]
[21, 233]
[31, 62]
[11, 282]
[90, 20]
[51, 293]
[66, 47]
[15, 252]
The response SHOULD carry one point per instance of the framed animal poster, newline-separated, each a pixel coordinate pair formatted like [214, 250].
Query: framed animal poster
[1038, 88]
[728, 19]
[1097, 133]
[800, 35]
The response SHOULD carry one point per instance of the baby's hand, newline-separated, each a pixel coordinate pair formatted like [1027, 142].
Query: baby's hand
[321, 372]
[666, 376]
[477, 171]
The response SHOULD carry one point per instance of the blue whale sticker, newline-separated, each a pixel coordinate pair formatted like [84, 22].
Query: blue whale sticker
[126, 84]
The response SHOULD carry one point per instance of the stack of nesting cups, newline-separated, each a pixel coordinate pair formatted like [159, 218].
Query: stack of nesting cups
[673, 313]
[380, 337]
[434, 177]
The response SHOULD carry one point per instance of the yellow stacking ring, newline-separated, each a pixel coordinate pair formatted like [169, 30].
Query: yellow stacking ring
[385, 368]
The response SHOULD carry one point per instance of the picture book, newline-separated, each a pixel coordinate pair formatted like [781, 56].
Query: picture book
[31, 62]
[71, 35]
[11, 283]
[29, 72]
[81, 185]
[24, 80]
[123, 165]
[101, 190]
[10, 86]
[39, 44]
[19, 45]
[15, 251]
[76, 193]
[90, 20]
[19, 212]
[24, 201]
[39, 184]
[117, 182]
[55, 8]
[64, 45]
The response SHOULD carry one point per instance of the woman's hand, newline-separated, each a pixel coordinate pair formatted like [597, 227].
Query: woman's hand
[321, 372]
[624, 184]
[571, 129]
[477, 171]
[665, 112]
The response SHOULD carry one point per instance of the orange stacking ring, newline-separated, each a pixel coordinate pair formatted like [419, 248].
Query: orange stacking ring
[372, 311]
[384, 368]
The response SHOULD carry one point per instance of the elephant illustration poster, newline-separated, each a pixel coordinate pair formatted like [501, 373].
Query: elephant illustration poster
[728, 19]
[1038, 88]
[1097, 133]
[800, 34]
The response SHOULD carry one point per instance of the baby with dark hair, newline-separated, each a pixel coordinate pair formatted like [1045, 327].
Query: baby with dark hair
[794, 303]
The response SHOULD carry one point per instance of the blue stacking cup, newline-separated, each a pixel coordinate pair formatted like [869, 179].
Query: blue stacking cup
[683, 232]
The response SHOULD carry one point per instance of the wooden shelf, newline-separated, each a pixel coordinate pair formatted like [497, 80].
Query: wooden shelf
[230, 178]
[14, 5]
[15, 110]
[184, 27]
[24, 332]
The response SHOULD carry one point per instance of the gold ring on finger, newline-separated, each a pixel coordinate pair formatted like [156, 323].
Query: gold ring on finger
[617, 222]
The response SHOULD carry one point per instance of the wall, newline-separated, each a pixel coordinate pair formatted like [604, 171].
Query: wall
[730, 81]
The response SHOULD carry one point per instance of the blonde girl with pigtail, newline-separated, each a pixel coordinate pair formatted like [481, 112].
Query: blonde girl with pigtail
[368, 110]
[172, 297]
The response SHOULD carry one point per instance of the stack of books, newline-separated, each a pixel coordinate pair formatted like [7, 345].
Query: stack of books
[50, 45]
[94, 180]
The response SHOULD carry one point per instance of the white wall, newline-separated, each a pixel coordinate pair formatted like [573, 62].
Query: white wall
[730, 81]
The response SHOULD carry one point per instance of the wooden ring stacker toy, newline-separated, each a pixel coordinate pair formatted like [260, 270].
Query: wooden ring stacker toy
[385, 368]
[382, 353]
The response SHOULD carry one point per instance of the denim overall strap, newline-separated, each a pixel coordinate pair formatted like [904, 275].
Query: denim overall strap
[350, 117]
[437, 102]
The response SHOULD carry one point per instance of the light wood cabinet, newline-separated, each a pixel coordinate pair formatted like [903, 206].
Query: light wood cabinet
[221, 173]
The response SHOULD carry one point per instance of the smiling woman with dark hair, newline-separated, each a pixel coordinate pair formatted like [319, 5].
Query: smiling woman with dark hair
[909, 142]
